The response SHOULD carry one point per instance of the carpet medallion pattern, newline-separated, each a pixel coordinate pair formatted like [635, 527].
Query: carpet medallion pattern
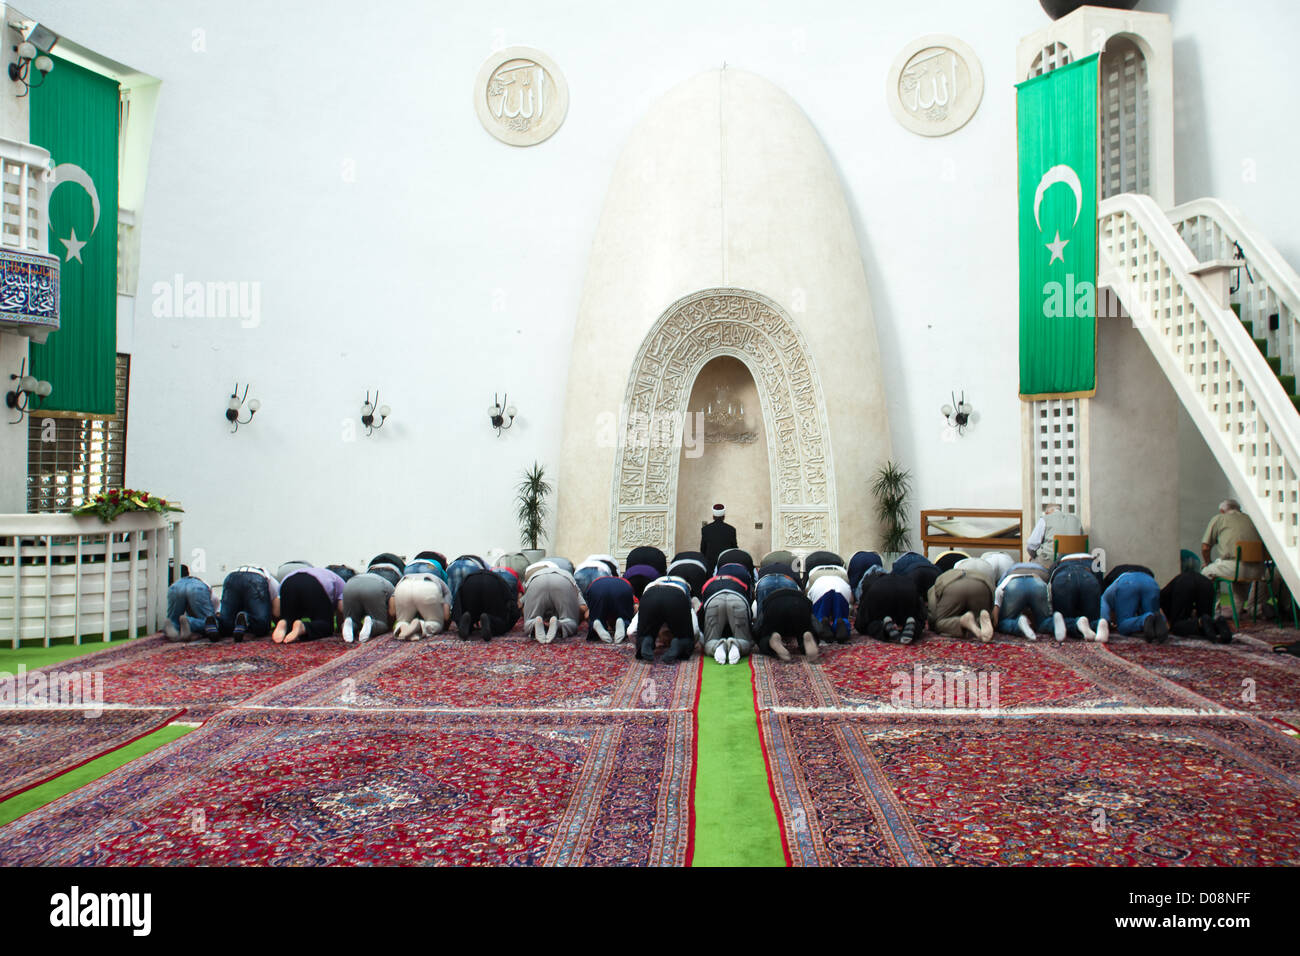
[303, 788]
[1048, 790]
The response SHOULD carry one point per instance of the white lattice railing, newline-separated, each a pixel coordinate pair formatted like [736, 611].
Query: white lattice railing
[1223, 381]
[24, 195]
[1268, 285]
[64, 576]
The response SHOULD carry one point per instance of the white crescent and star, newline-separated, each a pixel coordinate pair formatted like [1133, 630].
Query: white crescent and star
[1058, 174]
[72, 173]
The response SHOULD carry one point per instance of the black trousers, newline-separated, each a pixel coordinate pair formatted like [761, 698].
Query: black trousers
[668, 606]
[786, 612]
[302, 598]
[482, 592]
[1184, 600]
[887, 595]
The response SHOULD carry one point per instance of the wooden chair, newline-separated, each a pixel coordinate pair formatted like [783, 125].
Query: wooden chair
[1068, 544]
[1248, 552]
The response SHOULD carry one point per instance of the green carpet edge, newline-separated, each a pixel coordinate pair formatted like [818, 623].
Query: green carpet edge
[51, 790]
[735, 820]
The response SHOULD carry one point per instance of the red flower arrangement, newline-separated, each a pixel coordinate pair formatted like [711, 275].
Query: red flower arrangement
[111, 504]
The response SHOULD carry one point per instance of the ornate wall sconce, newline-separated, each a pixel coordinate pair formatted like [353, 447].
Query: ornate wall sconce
[370, 409]
[233, 406]
[958, 413]
[32, 53]
[501, 413]
[28, 385]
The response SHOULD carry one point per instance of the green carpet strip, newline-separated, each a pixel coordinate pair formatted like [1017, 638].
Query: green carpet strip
[34, 655]
[735, 821]
[38, 797]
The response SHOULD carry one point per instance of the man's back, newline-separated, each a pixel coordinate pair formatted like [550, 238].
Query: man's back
[1228, 529]
[716, 538]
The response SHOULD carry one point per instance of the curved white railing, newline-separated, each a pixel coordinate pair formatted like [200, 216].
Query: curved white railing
[1227, 387]
[1268, 285]
[24, 195]
[64, 576]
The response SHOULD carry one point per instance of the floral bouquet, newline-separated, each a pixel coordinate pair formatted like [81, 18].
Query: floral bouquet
[112, 503]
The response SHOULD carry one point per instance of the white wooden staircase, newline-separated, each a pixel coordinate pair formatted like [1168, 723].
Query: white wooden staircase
[1231, 373]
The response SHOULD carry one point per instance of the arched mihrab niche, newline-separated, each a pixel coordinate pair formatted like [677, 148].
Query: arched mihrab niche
[693, 331]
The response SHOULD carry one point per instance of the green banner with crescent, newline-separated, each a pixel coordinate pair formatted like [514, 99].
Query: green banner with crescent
[74, 114]
[1056, 116]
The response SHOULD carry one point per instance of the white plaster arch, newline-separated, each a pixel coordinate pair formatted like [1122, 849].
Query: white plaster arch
[691, 332]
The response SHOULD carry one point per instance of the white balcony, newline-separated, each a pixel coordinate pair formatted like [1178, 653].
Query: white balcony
[29, 277]
[63, 576]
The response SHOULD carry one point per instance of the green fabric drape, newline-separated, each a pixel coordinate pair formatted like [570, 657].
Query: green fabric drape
[74, 114]
[1057, 121]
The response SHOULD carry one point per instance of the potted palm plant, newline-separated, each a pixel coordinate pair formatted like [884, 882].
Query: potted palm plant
[532, 511]
[890, 487]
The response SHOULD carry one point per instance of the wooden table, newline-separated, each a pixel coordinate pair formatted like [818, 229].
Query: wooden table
[1014, 544]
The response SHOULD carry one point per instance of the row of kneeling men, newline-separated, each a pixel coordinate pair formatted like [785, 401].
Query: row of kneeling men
[779, 605]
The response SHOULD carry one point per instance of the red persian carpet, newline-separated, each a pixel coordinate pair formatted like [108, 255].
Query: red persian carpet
[1051, 790]
[201, 677]
[1238, 676]
[944, 673]
[507, 673]
[37, 745]
[308, 788]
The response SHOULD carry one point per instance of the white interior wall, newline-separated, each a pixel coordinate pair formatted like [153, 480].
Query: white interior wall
[335, 160]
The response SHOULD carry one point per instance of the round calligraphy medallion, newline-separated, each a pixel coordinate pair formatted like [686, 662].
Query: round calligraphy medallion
[935, 85]
[520, 96]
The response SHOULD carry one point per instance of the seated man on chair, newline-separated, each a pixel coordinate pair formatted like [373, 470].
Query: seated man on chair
[1041, 546]
[1226, 530]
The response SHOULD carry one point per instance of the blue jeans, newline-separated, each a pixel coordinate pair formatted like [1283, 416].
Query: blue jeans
[1076, 593]
[460, 569]
[193, 598]
[584, 577]
[770, 584]
[1029, 597]
[830, 609]
[1130, 600]
[245, 591]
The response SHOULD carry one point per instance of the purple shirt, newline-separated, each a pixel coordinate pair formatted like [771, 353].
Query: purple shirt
[331, 582]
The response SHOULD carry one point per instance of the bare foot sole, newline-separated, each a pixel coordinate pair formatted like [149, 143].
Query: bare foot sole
[810, 648]
[278, 634]
[777, 647]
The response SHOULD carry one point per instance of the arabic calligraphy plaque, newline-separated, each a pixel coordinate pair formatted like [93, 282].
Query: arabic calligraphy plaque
[520, 96]
[935, 85]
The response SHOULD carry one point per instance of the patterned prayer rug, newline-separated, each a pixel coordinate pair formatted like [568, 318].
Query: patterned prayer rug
[291, 788]
[204, 678]
[942, 673]
[507, 673]
[1238, 676]
[1051, 790]
[37, 745]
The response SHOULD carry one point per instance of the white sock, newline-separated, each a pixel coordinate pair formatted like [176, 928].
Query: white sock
[1085, 629]
[1026, 629]
[1058, 627]
[599, 628]
[367, 625]
[1103, 631]
[620, 631]
[720, 652]
[347, 630]
[539, 632]
[733, 651]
